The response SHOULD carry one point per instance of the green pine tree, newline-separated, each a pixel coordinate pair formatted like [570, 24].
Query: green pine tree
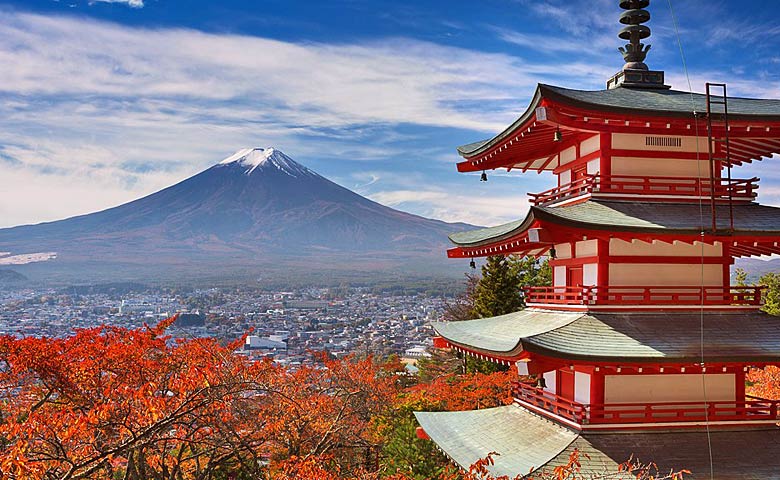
[740, 277]
[772, 293]
[532, 272]
[498, 291]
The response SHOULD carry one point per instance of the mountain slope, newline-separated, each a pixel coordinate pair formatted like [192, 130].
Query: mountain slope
[256, 207]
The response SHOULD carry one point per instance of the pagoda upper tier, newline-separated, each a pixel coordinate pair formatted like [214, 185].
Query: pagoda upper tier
[667, 120]
[756, 228]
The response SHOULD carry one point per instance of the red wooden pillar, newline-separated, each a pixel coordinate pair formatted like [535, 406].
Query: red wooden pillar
[603, 265]
[565, 384]
[739, 387]
[596, 391]
[605, 158]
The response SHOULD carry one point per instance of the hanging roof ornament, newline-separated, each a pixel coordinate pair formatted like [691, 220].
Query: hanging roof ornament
[635, 72]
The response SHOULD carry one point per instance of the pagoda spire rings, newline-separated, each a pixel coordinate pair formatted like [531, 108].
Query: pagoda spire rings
[635, 51]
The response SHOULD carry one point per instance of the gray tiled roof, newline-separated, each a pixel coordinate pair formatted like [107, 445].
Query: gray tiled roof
[525, 441]
[684, 218]
[737, 455]
[656, 102]
[503, 333]
[660, 101]
[497, 232]
[659, 337]
[677, 217]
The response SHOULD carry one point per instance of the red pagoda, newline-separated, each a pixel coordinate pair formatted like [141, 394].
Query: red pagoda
[641, 344]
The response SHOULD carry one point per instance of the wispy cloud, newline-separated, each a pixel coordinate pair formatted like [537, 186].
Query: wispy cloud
[93, 114]
[151, 106]
[129, 3]
[481, 210]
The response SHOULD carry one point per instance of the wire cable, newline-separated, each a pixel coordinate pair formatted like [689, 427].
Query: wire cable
[701, 241]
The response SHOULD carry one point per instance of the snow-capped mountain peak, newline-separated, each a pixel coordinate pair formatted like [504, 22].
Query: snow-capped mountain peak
[254, 158]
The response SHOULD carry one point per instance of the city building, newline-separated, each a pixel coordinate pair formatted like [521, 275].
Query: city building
[642, 344]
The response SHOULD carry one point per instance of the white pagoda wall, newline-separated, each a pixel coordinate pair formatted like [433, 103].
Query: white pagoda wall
[581, 387]
[550, 381]
[590, 145]
[660, 274]
[668, 388]
[582, 249]
[587, 146]
[672, 274]
[659, 167]
[675, 249]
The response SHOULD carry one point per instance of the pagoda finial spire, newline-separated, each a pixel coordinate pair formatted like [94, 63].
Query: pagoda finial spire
[635, 51]
[635, 72]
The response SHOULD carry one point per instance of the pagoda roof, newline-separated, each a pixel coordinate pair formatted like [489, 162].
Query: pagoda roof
[633, 101]
[679, 218]
[666, 337]
[526, 442]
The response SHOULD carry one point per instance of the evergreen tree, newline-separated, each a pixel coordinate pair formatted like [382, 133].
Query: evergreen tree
[498, 291]
[532, 272]
[740, 277]
[462, 308]
[772, 293]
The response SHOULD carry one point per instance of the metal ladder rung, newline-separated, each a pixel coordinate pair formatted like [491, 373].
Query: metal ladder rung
[718, 119]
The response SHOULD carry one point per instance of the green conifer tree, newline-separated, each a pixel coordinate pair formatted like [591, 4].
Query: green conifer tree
[772, 293]
[498, 291]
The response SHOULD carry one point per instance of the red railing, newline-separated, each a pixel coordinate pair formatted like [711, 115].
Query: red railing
[738, 189]
[646, 295]
[683, 411]
[574, 189]
[751, 409]
[549, 401]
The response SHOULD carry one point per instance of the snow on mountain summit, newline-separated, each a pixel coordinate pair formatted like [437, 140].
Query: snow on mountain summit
[254, 158]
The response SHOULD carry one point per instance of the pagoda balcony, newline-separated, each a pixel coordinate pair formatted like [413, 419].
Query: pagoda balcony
[661, 188]
[645, 296]
[624, 415]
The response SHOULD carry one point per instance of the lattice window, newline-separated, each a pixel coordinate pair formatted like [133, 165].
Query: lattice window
[663, 141]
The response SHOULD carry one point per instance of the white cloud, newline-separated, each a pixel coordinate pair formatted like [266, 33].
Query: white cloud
[93, 114]
[481, 210]
[84, 128]
[391, 81]
[129, 3]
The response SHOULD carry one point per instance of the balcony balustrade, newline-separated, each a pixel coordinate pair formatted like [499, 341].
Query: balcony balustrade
[658, 187]
[645, 295]
[751, 409]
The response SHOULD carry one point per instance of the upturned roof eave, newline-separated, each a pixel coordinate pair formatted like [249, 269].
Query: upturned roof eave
[475, 148]
[502, 232]
[490, 236]
[615, 338]
[557, 95]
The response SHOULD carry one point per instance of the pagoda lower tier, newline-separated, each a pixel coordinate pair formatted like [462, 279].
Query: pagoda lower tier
[527, 442]
[625, 371]
[613, 385]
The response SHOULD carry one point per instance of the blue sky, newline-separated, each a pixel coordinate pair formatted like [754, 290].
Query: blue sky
[104, 101]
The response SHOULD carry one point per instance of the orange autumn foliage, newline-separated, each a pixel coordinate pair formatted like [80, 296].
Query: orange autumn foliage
[465, 392]
[765, 382]
[133, 404]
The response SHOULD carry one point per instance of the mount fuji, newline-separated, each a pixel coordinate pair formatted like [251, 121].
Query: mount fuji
[256, 211]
